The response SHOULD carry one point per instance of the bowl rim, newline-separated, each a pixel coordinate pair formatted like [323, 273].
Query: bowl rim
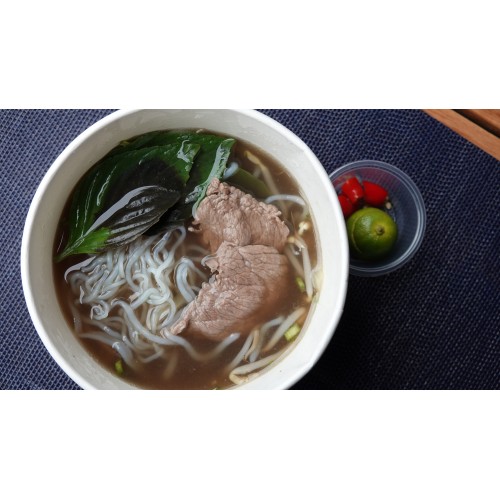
[93, 129]
[418, 199]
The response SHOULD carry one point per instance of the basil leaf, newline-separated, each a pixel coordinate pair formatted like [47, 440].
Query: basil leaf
[124, 195]
[210, 163]
[149, 139]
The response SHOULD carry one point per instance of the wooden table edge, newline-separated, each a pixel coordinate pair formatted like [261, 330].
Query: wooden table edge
[474, 133]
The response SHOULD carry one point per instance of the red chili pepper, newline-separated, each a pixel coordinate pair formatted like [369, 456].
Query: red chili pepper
[346, 205]
[375, 195]
[353, 189]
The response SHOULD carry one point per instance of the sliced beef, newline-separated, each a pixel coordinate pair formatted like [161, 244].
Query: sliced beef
[228, 214]
[248, 281]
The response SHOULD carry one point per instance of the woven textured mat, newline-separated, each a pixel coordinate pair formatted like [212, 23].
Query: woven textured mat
[434, 324]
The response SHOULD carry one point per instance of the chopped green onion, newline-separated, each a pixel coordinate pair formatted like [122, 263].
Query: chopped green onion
[119, 367]
[292, 332]
[300, 284]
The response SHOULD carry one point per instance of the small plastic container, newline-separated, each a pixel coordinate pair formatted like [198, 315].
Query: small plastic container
[408, 210]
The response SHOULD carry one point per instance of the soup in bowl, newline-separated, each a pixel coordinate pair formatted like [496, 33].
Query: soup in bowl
[185, 249]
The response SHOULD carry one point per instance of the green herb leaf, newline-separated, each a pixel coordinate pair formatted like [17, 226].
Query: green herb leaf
[124, 195]
[210, 163]
[148, 139]
[245, 181]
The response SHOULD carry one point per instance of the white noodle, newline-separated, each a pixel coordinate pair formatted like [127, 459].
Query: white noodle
[125, 352]
[158, 354]
[103, 326]
[181, 280]
[139, 344]
[129, 313]
[195, 249]
[99, 310]
[100, 336]
[160, 247]
[78, 267]
[150, 295]
[193, 268]
[172, 365]
[206, 356]
[168, 316]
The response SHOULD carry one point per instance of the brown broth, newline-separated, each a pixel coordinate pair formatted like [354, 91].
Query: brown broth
[190, 374]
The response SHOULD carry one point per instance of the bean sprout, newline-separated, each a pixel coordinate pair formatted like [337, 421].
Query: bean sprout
[287, 323]
[264, 329]
[236, 375]
[246, 346]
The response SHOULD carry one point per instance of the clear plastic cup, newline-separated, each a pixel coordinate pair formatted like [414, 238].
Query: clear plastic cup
[408, 210]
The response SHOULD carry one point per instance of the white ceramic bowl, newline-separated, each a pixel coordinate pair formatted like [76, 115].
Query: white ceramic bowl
[95, 142]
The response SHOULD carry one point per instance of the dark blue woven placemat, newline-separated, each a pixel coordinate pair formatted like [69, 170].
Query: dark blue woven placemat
[433, 324]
